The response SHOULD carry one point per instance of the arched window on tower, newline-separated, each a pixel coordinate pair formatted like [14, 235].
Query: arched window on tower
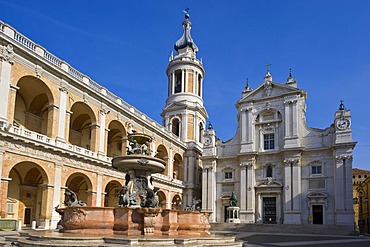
[199, 85]
[201, 128]
[178, 81]
[176, 127]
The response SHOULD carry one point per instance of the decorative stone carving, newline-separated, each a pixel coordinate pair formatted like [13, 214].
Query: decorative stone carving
[39, 71]
[291, 162]
[7, 54]
[77, 215]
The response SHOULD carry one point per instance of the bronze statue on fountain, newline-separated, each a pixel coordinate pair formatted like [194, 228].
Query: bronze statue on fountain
[139, 165]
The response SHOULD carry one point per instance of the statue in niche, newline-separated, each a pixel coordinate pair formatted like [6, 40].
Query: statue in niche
[233, 200]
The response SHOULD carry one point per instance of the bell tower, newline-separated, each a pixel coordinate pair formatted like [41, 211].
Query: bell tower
[184, 114]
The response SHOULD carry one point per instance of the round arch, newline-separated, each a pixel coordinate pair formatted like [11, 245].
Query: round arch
[117, 139]
[163, 154]
[178, 168]
[176, 202]
[80, 184]
[111, 191]
[26, 197]
[162, 199]
[82, 121]
[32, 106]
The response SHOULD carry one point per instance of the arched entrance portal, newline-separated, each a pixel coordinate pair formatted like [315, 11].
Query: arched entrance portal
[27, 194]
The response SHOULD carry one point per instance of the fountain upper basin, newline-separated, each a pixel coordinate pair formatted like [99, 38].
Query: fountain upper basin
[139, 162]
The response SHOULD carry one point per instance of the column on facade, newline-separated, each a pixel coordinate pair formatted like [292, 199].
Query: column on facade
[196, 168]
[294, 118]
[173, 83]
[53, 114]
[339, 184]
[46, 205]
[91, 197]
[186, 169]
[102, 132]
[3, 194]
[56, 194]
[260, 138]
[243, 187]
[12, 99]
[244, 126]
[184, 127]
[297, 190]
[99, 189]
[186, 80]
[6, 58]
[260, 208]
[288, 200]
[170, 163]
[67, 125]
[348, 206]
[196, 127]
[95, 132]
[212, 191]
[250, 188]
[169, 201]
[204, 189]
[287, 118]
[277, 134]
[183, 80]
[191, 171]
[250, 133]
[62, 114]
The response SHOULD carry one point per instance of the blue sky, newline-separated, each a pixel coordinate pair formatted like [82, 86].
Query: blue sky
[124, 46]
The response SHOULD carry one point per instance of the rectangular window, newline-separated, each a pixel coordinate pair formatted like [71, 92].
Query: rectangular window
[10, 208]
[268, 141]
[316, 170]
[317, 184]
[228, 175]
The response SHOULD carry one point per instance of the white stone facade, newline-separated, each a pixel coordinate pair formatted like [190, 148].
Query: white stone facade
[281, 170]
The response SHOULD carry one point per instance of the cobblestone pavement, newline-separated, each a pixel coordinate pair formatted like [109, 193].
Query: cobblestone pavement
[269, 239]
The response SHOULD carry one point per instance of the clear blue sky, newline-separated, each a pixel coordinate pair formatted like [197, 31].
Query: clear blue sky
[124, 46]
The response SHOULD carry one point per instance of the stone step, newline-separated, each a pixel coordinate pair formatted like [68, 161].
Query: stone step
[283, 228]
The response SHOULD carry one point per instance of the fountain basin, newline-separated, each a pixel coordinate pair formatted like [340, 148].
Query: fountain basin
[134, 221]
[139, 162]
[88, 220]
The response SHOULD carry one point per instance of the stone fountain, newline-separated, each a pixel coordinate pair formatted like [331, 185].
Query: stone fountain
[137, 220]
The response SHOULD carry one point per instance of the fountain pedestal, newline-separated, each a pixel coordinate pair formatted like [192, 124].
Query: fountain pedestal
[149, 218]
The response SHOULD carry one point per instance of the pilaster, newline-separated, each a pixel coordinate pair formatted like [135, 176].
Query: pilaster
[63, 93]
[57, 194]
[7, 60]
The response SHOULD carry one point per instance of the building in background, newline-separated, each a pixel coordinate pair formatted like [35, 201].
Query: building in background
[361, 194]
[281, 170]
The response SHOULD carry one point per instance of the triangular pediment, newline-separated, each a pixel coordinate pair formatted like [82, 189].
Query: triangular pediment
[269, 90]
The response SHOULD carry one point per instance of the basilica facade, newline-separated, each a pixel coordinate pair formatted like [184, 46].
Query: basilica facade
[281, 170]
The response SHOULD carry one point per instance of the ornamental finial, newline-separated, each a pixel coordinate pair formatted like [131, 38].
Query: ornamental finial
[186, 12]
[341, 106]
